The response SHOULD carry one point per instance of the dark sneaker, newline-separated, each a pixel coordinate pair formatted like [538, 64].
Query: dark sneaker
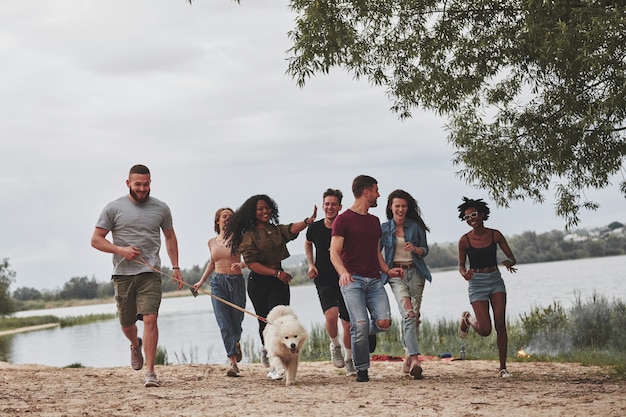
[238, 354]
[150, 380]
[233, 370]
[416, 371]
[362, 376]
[372, 342]
[335, 356]
[136, 357]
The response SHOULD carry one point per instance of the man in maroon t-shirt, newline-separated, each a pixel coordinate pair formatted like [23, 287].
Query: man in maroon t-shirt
[355, 254]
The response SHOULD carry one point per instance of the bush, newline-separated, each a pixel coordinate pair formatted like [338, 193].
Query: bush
[618, 324]
[546, 331]
[591, 323]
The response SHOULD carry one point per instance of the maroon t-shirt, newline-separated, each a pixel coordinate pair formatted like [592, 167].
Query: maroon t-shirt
[361, 235]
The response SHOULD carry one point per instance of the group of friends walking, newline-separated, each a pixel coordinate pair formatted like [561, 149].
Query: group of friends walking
[350, 256]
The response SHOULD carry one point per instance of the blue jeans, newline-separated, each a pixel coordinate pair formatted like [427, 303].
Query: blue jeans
[361, 296]
[412, 286]
[231, 288]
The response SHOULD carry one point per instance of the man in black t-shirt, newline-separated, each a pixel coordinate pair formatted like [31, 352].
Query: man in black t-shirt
[327, 281]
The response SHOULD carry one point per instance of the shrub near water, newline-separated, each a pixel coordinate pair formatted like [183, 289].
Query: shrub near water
[546, 331]
[591, 323]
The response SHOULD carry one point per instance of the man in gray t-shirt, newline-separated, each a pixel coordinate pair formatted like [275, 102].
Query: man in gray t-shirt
[135, 222]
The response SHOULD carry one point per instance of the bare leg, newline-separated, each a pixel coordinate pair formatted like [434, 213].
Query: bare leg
[498, 304]
[332, 315]
[131, 334]
[150, 339]
[481, 323]
[347, 340]
[384, 324]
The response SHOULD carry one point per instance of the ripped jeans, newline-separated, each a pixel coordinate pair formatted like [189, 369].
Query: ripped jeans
[365, 297]
[411, 287]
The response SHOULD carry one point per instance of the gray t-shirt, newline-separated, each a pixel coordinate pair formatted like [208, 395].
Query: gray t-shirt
[136, 224]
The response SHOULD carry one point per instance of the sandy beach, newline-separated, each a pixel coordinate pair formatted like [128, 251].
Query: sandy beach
[450, 388]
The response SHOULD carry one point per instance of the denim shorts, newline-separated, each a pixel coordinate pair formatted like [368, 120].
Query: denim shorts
[482, 285]
[137, 295]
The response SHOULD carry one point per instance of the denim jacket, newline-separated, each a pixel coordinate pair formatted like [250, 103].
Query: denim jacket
[412, 233]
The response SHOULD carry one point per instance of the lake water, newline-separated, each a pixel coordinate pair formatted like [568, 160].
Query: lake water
[187, 325]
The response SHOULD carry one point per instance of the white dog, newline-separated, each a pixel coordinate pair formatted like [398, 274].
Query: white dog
[284, 339]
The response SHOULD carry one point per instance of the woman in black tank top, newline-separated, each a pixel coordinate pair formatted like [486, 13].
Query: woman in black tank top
[485, 285]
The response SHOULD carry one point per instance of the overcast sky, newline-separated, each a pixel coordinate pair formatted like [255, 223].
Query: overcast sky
[199, 94]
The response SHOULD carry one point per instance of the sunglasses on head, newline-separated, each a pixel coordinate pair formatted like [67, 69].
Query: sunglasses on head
[470, 216]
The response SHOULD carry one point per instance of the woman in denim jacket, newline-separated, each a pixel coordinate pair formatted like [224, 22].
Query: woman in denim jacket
[404, 245]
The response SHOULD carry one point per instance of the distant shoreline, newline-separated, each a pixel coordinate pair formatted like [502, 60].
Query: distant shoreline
[28, 329]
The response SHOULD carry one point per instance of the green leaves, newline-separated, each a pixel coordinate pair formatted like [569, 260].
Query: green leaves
[534, 91]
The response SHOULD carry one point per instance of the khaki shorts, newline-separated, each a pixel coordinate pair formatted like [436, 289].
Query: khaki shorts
[137, 295]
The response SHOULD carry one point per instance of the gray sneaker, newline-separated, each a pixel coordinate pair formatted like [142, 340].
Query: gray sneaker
[150, 380]
[350, 369]
[136, 358]
[335, 356]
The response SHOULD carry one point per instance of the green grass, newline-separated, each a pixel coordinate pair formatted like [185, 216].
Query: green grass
[12, 323]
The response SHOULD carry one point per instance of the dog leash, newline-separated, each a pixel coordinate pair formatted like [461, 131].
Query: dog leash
[195, 292]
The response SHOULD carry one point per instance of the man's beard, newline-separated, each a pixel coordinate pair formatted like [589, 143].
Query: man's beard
[137, 198]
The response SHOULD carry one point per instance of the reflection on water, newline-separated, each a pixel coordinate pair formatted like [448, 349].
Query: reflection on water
[187, 325]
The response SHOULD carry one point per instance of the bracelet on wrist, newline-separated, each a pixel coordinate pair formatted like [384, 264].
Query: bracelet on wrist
[175, 267]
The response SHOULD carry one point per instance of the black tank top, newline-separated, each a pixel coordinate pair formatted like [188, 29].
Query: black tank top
[482, 257]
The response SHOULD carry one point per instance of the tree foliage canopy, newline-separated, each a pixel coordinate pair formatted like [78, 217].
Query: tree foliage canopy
[534, 91]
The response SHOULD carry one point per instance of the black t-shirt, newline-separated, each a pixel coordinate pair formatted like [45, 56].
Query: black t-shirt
[320, 235]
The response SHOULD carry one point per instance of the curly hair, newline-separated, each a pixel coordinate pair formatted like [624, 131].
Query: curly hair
[479, 205]
[244, 219]
[413, 210]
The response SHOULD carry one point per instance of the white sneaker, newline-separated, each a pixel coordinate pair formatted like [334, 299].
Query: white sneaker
[335, 356]
[275, 375]
[350, 369]
[504, 373]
